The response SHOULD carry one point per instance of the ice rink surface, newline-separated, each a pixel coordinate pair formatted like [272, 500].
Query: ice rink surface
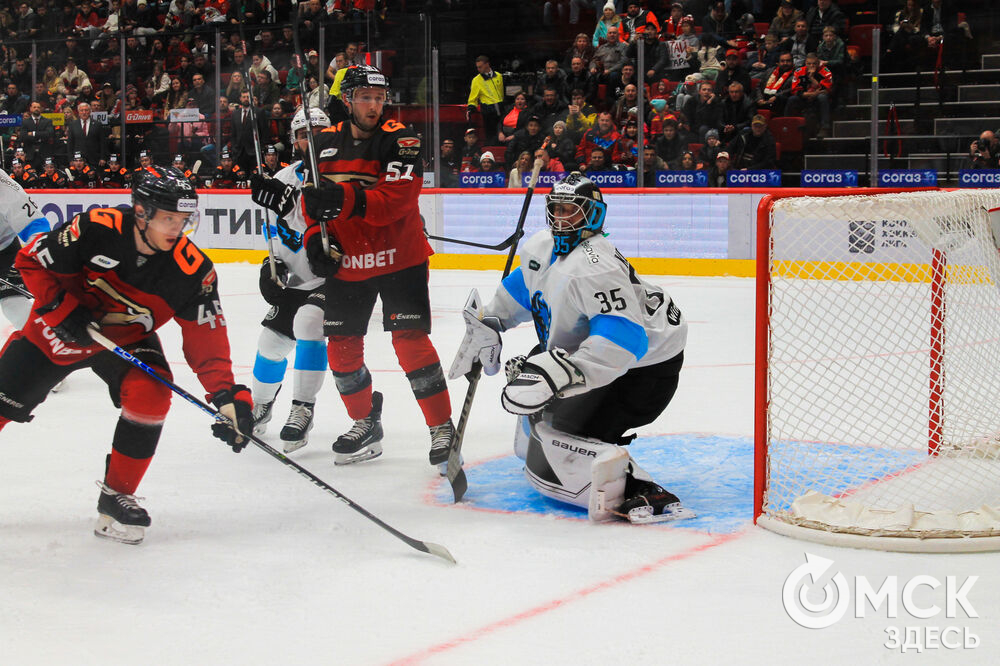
[248, 563]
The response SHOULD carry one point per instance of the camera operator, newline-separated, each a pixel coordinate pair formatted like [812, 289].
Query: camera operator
[984, 151]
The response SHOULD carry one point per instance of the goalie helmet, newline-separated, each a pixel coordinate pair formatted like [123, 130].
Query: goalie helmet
[574, 208]
[362, 76]
[316, 119]
[165, 188]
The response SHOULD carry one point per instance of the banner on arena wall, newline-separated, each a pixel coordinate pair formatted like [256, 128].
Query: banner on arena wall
[545, 178]
[182, 116]
[10, 121]
[979, 178]
[907, 177]
[681, 179]
[754, 178]
[612, 178]
[146, 115]
[58, 119]
[486, 179]
[678, 54]
[829, 178]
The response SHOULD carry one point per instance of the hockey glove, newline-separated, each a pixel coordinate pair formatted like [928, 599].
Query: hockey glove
[272, 194]
[324, 202]
[481, 342]
[68, 319]
[542, 378]
[322, 263]
[236, 405]
[269, 289]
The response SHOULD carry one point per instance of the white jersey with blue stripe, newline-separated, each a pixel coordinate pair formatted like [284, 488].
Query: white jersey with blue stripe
[288, 233]
[20, 217]
[592, 304]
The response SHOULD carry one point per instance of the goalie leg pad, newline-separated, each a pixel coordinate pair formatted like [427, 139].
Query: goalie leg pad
[561, 466]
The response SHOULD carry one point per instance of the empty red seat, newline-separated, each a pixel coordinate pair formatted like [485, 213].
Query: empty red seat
[789, 132]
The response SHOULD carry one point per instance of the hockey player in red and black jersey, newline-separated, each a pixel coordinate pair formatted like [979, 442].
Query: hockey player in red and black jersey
[115, 176]
[370, 177]
[272, 164]
[23, 174]
[51, 177]
[229, 175]
[81, 175]
[145, 161]
[125, 272]
[181, 166]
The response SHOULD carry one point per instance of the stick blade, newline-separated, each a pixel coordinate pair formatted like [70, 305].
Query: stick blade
[440, 551]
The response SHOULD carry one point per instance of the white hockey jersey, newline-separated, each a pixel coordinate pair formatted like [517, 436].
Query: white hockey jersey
[592, 304]
[19, 216]
[288, 233]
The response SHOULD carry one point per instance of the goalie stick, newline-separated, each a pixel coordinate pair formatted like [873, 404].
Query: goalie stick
[456, 475]
[423, 546]
[247, 81]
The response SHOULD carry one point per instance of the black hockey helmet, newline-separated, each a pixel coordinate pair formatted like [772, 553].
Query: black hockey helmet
[573, 208]
[165, 188]
[362, 76]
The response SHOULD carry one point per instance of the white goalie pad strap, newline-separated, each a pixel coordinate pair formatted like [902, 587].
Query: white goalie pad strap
[607, 481]
[481, 341]
[562, 466]
[522, 434]
[543, 377]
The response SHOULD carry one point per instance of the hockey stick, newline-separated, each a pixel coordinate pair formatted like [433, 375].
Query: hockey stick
[456, 475]
[502, 245]
[256, 145]
[422, 546]
[18, 288]
[304, 93]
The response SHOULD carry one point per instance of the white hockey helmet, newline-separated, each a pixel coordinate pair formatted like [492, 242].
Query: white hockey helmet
[316, 118]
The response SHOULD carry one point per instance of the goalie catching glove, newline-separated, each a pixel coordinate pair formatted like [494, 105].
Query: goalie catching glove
[481, 342]
[542, 378]
[236, 405]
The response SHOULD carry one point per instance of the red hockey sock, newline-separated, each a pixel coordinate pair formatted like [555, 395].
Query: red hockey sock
[419, 361]
[347, 361]
[125, 473]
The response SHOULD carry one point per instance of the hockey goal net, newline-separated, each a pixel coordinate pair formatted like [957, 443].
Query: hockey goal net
[878, 370]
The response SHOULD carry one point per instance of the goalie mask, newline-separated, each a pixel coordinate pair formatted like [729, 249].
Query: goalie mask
[574, 210]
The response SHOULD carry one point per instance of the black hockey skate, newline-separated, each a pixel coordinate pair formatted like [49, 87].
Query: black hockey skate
[121, 518]
[363, 441]
[295, 434]
[649, 503]
[442, 437]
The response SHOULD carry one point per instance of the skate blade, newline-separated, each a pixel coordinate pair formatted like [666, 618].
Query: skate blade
[260, 429]
[108, 528]
[643, 515]
[373, 450]
[294, 445]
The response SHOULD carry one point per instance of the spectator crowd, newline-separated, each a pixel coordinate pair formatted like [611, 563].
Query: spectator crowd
[65, 87]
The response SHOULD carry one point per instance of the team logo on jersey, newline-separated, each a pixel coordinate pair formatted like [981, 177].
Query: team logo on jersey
[272, 313]
[131, 312]
[208, 282]
[408, 142]
[104, 262]
[542, 316]
[289, 237]
[328, 152]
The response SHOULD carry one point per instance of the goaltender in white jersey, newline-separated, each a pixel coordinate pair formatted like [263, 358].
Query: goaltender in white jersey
[20, 219]
[295, 318]
[610, 350]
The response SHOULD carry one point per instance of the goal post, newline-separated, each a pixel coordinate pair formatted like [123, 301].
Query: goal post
[877, 369]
